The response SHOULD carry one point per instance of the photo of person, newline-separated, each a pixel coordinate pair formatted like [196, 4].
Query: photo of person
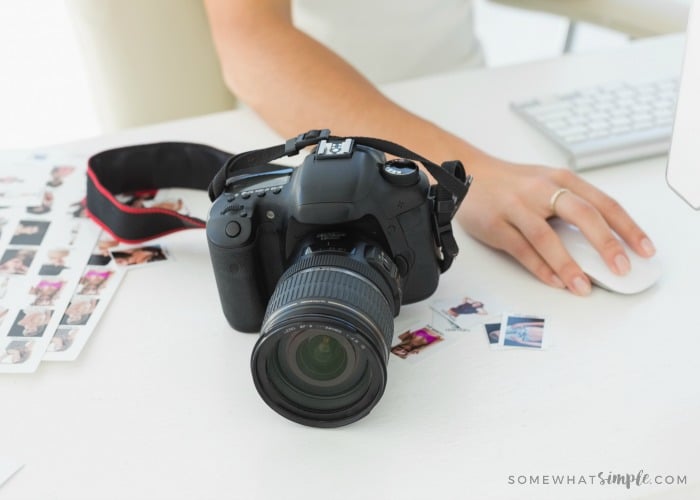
[30, 323]
[78, 311]
[16, 261]
[151, 199]
[16, 352]
[415, 341]
[78, 209]
[523, 331]
[45, 207]
[29, 232]
[46, 291]
[138, 256]
[464, 312]
[93, 282]
[468, 306]
[56, 263]
[62, 339]
[100, 255]
[58, 174]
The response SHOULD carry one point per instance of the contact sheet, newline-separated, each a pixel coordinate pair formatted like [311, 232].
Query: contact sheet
[58, 270]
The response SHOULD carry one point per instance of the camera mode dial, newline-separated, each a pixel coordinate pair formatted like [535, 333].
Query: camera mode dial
[400, 172]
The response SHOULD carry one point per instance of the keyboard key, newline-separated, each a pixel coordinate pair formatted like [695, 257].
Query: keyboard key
[606, 124]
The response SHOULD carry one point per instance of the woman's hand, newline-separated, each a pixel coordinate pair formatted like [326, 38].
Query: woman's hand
[508, 206]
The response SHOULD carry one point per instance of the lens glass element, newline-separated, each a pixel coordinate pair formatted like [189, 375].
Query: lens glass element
[321, 357]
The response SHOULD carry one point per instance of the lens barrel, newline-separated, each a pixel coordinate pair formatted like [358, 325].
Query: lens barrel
[324, 345]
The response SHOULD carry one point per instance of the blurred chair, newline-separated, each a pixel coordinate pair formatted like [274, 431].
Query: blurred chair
[148, 60]
[154, 60]
[636, 18]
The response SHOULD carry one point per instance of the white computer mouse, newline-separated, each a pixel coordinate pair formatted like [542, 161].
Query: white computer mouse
[643, 272]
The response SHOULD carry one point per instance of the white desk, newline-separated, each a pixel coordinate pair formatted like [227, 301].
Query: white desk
[161, 403]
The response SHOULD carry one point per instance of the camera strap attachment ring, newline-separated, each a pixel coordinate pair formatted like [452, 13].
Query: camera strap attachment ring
[295, 144]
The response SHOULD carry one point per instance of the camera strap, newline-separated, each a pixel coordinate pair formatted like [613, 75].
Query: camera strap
[149, 167]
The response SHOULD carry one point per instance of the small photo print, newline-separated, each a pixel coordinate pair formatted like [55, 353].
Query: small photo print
[100, 254]
[464, 312]
[155, 199]
[16, 352]
[79, 311]
[44, 207]
[139, 255]
[58, 175]
[30, 323]
[55, 262]
[522, 331]
[62, 339]
[47, 292]
[412, 342]
[493, 332]
[29, 232]
[16, 261]
[93, 282]
[78, 209]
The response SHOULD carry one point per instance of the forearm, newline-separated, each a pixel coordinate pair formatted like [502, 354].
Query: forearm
[296, 84]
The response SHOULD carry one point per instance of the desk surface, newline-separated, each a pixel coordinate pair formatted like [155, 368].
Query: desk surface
[161, 403]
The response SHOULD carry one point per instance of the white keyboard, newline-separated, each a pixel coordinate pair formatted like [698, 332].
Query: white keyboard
[607, 124]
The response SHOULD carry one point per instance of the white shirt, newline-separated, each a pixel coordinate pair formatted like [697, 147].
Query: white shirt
[388, 40]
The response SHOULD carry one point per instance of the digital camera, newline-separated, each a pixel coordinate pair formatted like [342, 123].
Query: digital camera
[319, 259]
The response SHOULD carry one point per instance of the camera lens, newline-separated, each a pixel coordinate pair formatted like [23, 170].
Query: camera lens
[321, 358]
[324, 345]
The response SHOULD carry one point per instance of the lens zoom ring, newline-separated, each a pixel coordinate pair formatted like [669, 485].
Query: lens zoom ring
[335, 284]
[332, 260]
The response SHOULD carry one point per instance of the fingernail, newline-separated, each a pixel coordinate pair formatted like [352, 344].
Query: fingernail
[581, 286]
[556, 282]
[648, 247]
[622, 264]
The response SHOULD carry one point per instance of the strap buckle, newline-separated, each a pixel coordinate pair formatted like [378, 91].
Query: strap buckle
[295, 144]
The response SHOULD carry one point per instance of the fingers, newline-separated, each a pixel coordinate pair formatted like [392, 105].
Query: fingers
[514, 243]
[542, 239]
[613, 213]
[593, 225]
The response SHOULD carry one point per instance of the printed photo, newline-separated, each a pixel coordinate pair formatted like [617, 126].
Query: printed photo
[47, 292]
[78, 209]
[93, 282]
[62, 339]
[16, 352]
[79, 311]
[30, 323]
[16, 261]
[412, 342]
[58, 175]
[45, 207]
[523, 331]
[139, 256]
[56, 262]
[465, 312]
[154, 199]
[29, 232]
[493, 332]
[100, 255]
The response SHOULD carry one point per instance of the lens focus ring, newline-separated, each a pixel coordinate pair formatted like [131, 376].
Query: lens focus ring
[336, 284]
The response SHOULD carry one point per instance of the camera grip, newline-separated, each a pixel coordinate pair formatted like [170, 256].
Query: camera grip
[424, 275]
[239, 286]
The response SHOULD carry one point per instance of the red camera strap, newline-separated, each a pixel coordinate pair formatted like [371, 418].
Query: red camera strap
[144, 168]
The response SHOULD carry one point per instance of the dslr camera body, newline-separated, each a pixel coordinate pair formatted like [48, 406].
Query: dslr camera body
[319, 259]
